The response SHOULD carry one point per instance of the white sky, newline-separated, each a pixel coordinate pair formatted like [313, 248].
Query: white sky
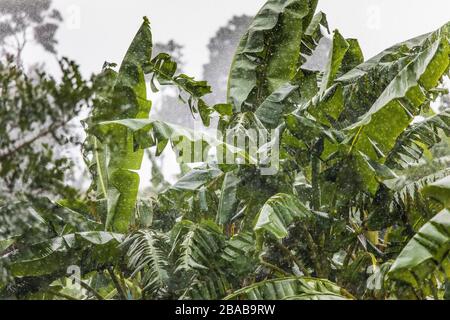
[99, 30]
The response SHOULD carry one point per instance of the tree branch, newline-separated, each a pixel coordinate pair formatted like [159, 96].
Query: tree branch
[26, 143]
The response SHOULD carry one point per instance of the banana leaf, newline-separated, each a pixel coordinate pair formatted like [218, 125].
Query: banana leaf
[117, 180]
[279, 212]
[439, 190]
[427, 252]
[87, 250]
[291, 288]
[405, 78]
[268, 54]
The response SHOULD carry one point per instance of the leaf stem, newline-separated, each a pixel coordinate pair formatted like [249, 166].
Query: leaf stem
[43, 133]
[299, 263]
[316, 163]
[273, 267]
[116, 282]
[61, 295]
[92, 290]
[349, 254]
[99, 169]
[314, 252]
[315, 167]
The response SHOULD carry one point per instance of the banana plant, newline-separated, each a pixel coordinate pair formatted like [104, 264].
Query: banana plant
[339, 217]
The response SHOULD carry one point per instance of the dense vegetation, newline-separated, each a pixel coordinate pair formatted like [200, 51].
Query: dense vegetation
[358, 206]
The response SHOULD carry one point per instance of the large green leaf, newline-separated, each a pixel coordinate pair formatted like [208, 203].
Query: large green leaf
[196, 244]
[114, 153]
[228, 198]
[269, 53]
[145, 254]
[192, 146]
[88, 250]
[292, 289]
[406, 76]
[427, 252]
[279, 212]
[439, 190]
[300, 88]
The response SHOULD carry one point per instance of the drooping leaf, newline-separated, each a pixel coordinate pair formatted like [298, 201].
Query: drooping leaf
[197, 179]
[163, 68]
[292, 289]
[314, 32]
[427, 252]
[406, 75]
[191, 146]
[279, 212]
[270, 112]
[416, 139]
[268, 54]
[338, 50]
[145, 254]
[196, 244]
[439, 190]
[88, 250]
[228, 198]
[64, 220]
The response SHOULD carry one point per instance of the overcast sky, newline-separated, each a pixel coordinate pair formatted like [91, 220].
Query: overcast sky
[99, 30]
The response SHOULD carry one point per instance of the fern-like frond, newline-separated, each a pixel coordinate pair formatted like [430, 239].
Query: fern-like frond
[410, 146]
[146, 255]
[196, 245]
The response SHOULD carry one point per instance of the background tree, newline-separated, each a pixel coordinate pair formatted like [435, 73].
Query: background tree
[221, 51]
[23, 21]
[35, 23]
[35, 117]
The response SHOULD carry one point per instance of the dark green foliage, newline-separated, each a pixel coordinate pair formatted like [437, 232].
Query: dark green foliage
[35, 115]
